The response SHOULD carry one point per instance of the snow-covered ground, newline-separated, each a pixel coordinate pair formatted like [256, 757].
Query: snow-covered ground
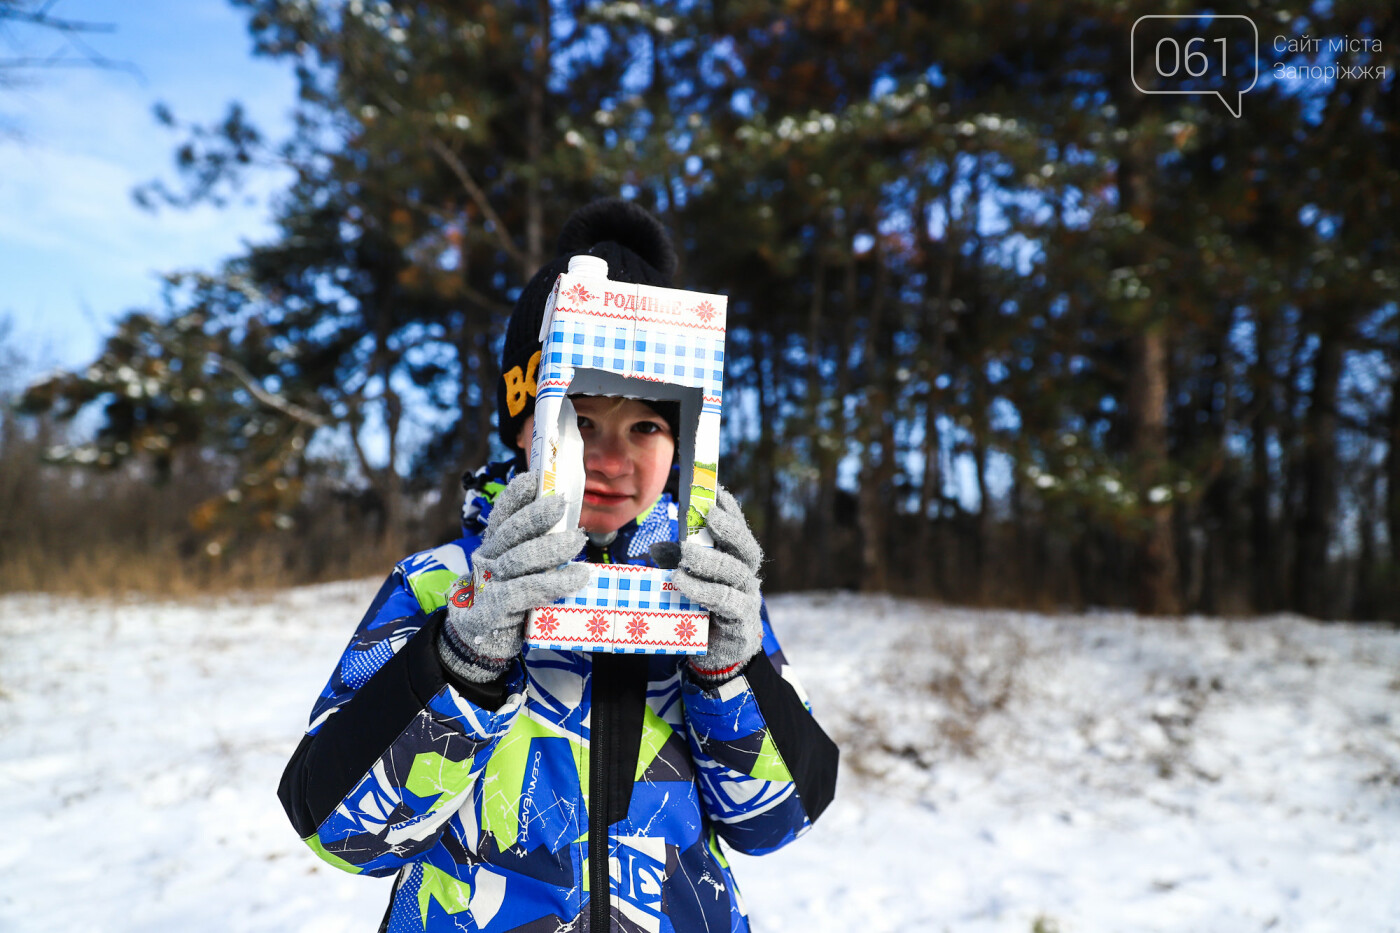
[1001, 771]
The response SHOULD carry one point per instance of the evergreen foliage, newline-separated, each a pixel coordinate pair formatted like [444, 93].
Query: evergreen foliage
[1002, 327]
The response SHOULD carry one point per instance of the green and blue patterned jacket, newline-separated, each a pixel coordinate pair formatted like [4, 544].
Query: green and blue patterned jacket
[508, 806]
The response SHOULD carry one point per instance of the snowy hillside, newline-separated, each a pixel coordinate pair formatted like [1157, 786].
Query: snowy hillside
[1000, 771]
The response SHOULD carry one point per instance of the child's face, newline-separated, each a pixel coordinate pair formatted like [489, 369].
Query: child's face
[627, 453]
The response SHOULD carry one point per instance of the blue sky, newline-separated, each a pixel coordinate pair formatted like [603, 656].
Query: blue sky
[75, 250]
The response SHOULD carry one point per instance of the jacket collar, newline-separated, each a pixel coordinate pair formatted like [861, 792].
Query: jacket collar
[482, 488]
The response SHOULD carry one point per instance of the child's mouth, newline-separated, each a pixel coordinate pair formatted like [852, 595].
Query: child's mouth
[593, 497]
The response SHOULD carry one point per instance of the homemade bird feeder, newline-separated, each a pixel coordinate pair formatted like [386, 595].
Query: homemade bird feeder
[601, 337]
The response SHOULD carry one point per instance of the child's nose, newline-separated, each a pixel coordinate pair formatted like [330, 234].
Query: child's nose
[606, 454]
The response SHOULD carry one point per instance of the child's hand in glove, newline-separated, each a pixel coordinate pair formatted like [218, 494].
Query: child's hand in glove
[518, 566]
[723, 579]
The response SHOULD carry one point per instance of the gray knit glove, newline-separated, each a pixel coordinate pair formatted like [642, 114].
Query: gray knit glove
[518, 566]
[723, 579]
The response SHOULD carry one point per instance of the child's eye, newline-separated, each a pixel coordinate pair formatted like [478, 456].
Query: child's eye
[648, 427]
[583, 422]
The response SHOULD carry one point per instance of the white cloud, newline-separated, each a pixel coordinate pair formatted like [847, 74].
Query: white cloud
[75, 250]
[56, 198]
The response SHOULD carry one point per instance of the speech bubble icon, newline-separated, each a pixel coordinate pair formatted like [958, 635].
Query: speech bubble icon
[1199, 53]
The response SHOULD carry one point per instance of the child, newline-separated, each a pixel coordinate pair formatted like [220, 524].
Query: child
[521, 789]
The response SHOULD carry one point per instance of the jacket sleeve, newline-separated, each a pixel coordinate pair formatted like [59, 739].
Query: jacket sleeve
[395, 742]
[766, 769]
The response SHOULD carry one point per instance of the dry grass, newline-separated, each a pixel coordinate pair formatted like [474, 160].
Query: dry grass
[973, 678]
[964, 677]
[72, 530]
[115, 571]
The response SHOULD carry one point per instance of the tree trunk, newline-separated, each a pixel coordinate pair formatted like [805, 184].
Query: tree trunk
[874, 577]
[819, 520]
[1157, 572]
[767, 463]
[1264, 567]
[534, 139]
[1290, 434]
[1157, 575]
[940, 268]
[877, 430]
[1364, 602]
[836, 429]
[1392, 475]
[1319, 469]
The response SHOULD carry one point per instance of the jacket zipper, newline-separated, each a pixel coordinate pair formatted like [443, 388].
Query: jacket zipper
[599, 817]
[599, 776]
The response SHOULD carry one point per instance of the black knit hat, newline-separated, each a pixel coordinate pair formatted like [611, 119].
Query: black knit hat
[638, 250]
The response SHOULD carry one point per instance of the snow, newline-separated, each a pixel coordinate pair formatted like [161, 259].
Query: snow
[1001, 771]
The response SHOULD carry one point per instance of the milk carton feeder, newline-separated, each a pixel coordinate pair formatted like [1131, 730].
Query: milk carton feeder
[601, 337]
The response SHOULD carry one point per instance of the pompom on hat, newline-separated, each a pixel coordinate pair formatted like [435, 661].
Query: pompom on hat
[637, 249]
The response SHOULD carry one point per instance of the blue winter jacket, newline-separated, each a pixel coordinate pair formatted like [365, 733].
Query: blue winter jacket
[507, 806]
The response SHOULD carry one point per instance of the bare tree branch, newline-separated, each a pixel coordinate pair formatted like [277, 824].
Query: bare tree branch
[484, 301]
[72, 31]
[41, 17]
[271, 400]
[483, 203]
[474, 191]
